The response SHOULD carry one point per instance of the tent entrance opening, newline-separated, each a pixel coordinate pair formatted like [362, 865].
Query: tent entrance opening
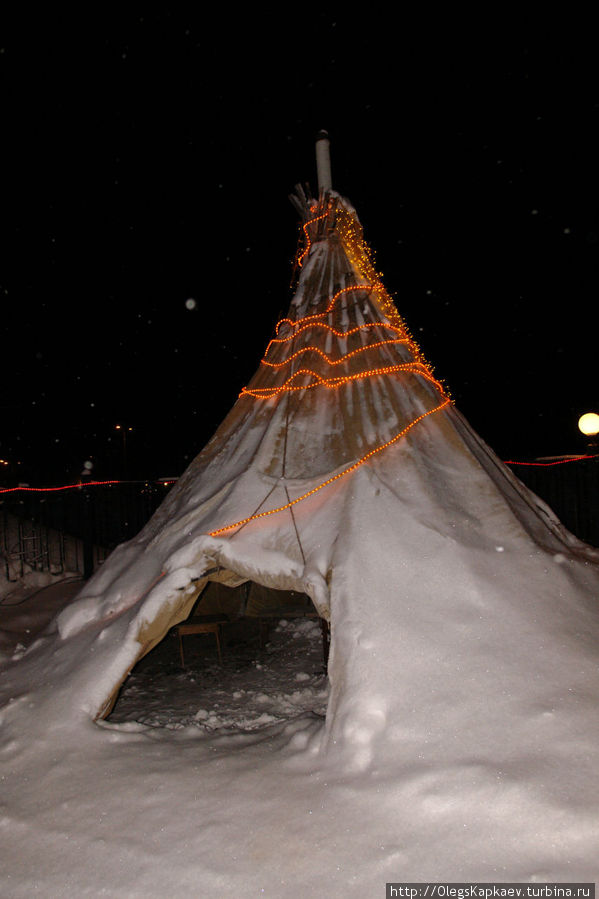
[258, 656]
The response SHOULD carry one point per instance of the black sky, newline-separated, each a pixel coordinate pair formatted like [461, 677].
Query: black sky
[147, 160]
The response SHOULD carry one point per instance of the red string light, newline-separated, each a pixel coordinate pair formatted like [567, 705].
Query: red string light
[55, 489]
[549, 464]
[78, 486]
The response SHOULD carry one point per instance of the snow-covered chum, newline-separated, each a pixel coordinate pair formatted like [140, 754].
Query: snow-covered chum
[465, 677]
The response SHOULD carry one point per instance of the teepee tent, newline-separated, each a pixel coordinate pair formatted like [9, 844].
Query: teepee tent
[344, 472]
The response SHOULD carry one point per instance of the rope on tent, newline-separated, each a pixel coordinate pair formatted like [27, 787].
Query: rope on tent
[283, 471]
[299, 542]
[256, 513]
[284, 464]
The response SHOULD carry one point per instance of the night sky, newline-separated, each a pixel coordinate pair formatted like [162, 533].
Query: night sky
[147, 160]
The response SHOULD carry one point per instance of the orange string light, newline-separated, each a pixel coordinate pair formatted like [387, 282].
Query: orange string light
[341, 474]
[327, 359]
[344, 226]
[332, 330]
[300, 259]
[268, 392]
[317, 315]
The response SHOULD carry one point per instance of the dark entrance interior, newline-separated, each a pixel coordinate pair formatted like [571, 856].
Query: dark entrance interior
[246, 656]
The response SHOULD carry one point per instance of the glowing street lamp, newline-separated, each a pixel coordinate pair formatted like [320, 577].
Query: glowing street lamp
[589, 424]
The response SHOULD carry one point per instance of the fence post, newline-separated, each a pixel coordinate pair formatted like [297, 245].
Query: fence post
[88, 535]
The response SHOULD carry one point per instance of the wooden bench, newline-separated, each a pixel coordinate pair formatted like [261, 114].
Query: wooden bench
[208, 625]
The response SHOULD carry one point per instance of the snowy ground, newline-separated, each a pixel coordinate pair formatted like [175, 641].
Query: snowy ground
[143, 805]
[253, 687]
[206, 782]
[28, 605]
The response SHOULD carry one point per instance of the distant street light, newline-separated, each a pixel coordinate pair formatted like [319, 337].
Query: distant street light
[87, 469]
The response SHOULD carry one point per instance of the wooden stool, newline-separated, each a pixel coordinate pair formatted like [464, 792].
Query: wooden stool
[199, 627]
